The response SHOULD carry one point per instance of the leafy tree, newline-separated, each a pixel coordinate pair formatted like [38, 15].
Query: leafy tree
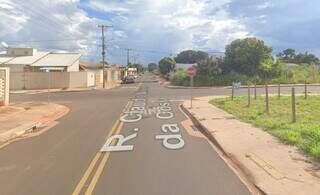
[306, 58]
[269, 69]
[287, 55]
[166, 65]
[139, 67]
[246, 55]
[152, 67]
[209, 66]
[191, 56]
[290, 56]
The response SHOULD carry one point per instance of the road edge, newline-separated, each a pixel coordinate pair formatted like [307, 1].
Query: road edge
[34, 128]
[237, 167]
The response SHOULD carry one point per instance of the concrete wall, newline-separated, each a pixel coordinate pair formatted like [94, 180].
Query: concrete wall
[4, 86]
[40, 80]
[91, 79]
[74, 67]
[77, 79]
[17, 67]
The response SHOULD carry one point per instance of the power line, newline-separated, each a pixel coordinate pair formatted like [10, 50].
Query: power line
[35, 41]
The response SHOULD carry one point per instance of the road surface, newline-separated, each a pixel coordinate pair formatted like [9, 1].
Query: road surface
[82, 154]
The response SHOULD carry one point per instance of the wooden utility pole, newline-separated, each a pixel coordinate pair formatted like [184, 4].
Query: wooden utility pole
[293, 105]
[305, 90]
[249, 96]
[103, 53]
[255, 91]
[279, 90]
[267, 99]
[232, 92]
[128, 56]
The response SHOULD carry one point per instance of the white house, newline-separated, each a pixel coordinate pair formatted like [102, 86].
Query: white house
[31, 60]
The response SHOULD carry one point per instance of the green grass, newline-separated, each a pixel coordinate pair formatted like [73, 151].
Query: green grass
[305, 133]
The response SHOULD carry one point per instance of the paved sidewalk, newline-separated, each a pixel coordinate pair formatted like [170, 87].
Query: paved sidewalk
[20, 119]
[37, 91]
[275, 168]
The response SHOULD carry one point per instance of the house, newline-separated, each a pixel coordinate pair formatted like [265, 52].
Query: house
[31, 60]
[184, 66]
[112, 73]
[33, 69]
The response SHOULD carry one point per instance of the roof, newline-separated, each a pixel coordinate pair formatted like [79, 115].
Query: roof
[26, 60]
[57, 59]
[5, 59]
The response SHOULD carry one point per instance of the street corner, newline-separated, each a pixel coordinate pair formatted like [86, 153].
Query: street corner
[269, 165]
[28, 119]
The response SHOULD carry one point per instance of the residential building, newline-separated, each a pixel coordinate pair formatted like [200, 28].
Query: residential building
[31, 60]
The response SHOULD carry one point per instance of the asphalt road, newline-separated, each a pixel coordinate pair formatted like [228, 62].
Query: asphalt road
[67, 158]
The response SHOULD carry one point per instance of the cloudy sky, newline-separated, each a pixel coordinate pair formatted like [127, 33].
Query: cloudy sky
[157, 28]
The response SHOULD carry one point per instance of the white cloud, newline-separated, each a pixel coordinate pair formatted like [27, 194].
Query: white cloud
[173, 25]
[163, 26]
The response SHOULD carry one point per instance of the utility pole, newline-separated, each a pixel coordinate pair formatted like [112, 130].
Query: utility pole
[128, 53]
[103, 53]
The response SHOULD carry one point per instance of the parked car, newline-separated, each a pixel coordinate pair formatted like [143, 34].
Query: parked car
[128, 79]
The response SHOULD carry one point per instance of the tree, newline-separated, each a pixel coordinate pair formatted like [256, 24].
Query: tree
[246, 55]
[269, 69]
[287, 55]
[191, 56]
[152, 67]
[139, 67]
[209, 66]
[166, 65]
[306, 58]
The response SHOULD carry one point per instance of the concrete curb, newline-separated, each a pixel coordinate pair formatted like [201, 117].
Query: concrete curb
[51, 91]
[241, 170]
[203, 130]
[27, 129]
[17, 132]
[244, 86]
[184, 87]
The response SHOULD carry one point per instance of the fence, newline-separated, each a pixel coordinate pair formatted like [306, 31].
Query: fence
[43, 80]
[278, 90]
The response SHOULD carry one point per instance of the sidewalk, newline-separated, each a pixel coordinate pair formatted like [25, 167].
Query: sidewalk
[21, 119]
[274, 168]
[37, 91]
[169, 86]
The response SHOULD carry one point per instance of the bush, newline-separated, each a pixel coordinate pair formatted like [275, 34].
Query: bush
[180, 78]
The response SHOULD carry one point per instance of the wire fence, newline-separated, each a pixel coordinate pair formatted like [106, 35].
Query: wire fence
[253, 91]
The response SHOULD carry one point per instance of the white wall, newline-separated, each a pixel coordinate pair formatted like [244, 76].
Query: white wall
[4, 86]
[40, 80]
[74, 67]
[91, 79]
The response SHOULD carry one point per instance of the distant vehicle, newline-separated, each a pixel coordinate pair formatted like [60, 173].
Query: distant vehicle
[128, 79]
